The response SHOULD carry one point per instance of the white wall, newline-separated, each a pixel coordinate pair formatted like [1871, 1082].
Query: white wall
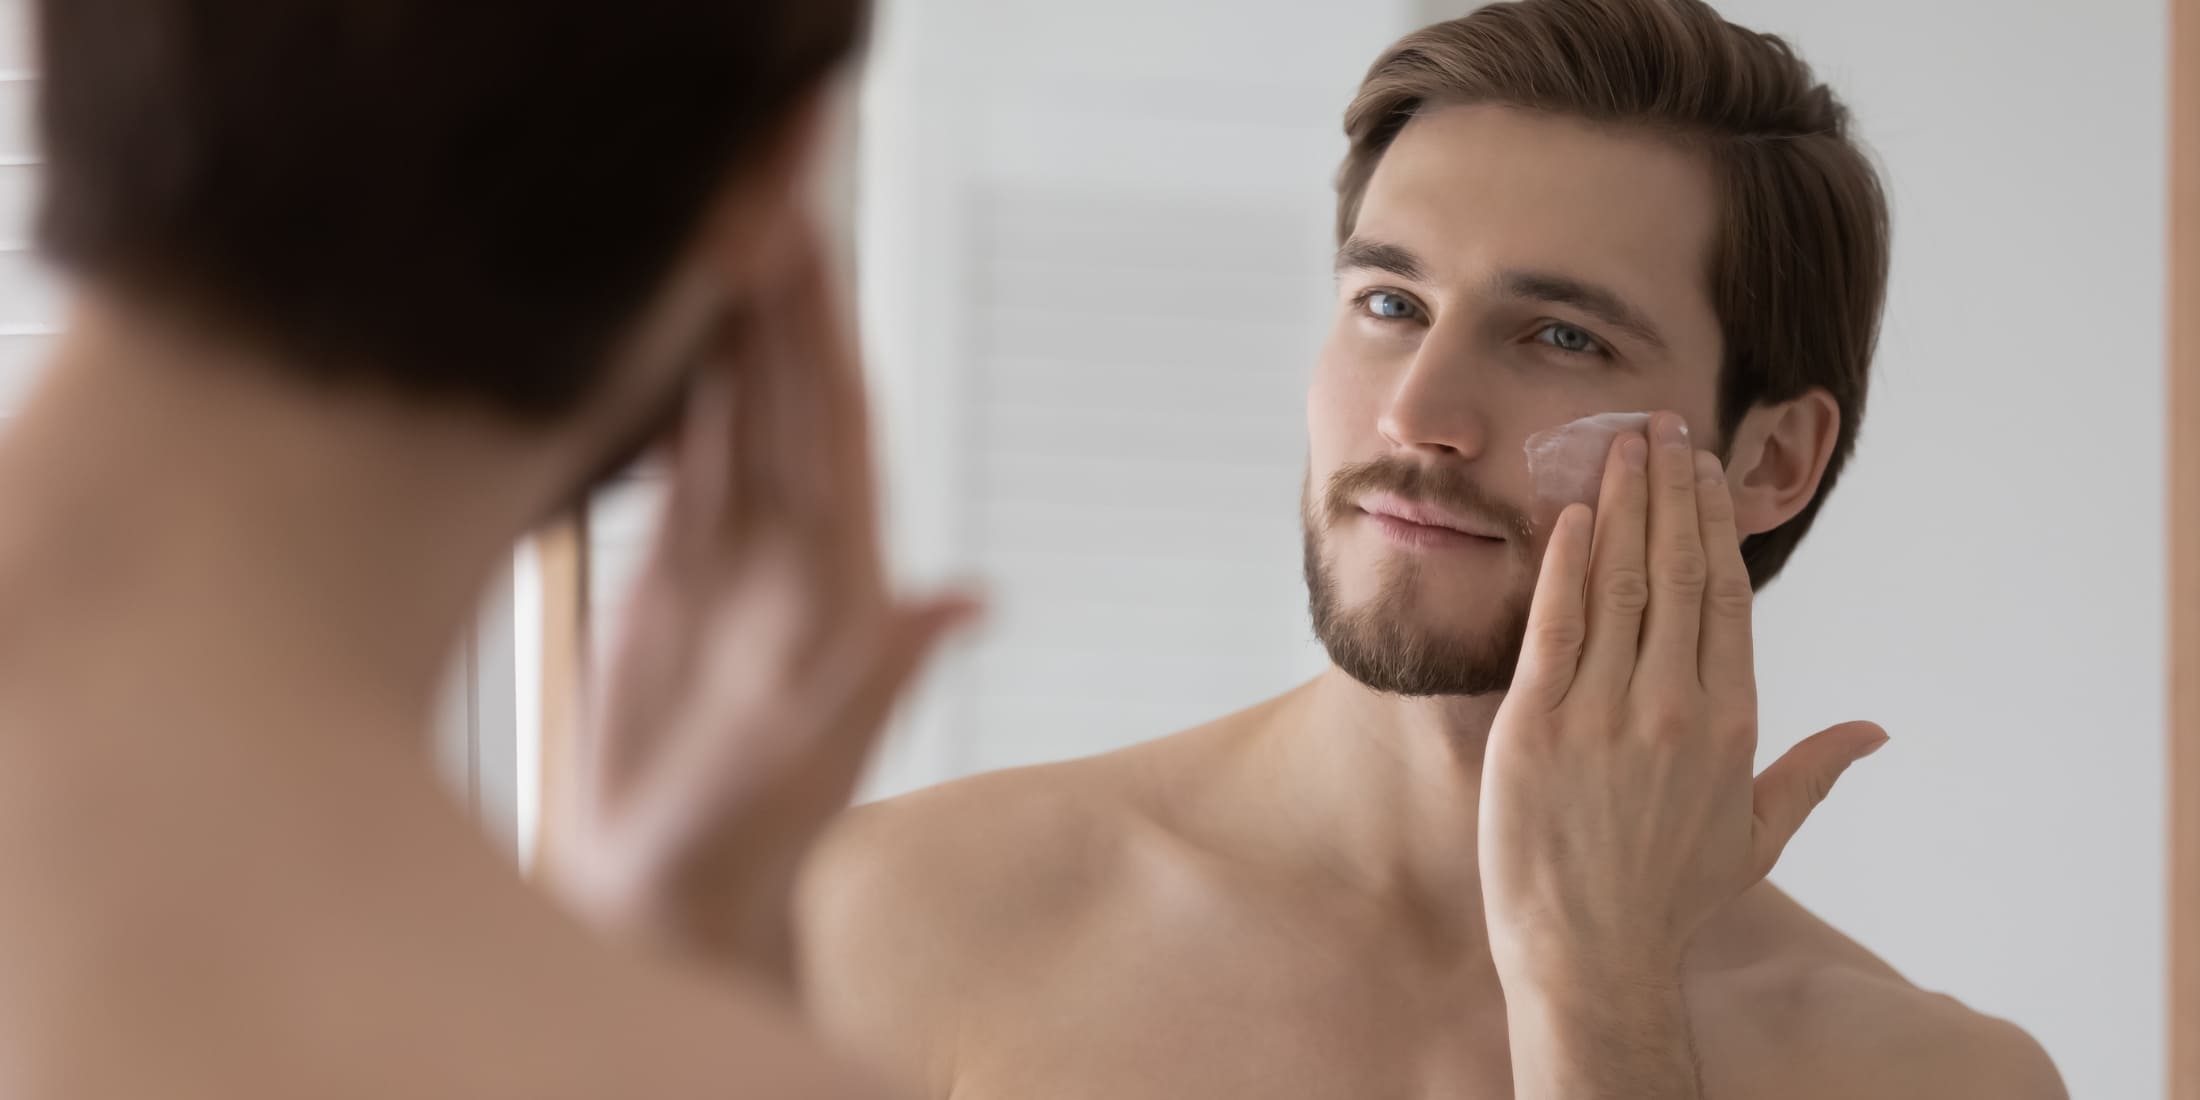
[1069, 209]
[1988, 580]
[1067, 203]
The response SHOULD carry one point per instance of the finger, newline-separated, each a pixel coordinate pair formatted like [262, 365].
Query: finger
[1796, 783]
[816, 756]
[1726, 659]
[701, 470]
[822, 421]
[1677, 565]
[807, 753]
[1556, 627]
[913, 636]
[756, 487]
[1618, 590]
[846, 405]
[825, 392]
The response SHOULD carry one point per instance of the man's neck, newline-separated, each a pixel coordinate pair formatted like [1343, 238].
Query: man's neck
[177, 514]
[1389, 788]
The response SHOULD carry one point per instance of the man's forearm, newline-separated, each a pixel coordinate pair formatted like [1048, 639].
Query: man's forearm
[1593, 1039]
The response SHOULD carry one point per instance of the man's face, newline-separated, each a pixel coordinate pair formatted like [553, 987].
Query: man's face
[1510, 272]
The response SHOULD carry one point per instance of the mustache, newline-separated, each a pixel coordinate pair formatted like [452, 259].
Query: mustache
[1444, 487]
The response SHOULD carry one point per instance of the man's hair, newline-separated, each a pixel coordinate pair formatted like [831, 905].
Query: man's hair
[1799, 271]
[465, 200]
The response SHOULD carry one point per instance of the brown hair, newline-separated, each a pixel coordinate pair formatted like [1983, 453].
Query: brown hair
[1799, 273]
[467, 201]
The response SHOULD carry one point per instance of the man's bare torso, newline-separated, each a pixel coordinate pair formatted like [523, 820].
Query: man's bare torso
[1107, 928]
[296, 910]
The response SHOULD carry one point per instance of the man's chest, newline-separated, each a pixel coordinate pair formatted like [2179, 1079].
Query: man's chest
[1304, 1019]
[1228, 1019]
[1274, 1064]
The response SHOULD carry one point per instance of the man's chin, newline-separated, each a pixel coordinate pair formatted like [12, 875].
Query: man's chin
[1409, 630]
[1400, 659]
[1422, 635]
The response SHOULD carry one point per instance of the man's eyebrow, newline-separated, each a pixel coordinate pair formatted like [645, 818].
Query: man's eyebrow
[1599, 302]
[1380, 256]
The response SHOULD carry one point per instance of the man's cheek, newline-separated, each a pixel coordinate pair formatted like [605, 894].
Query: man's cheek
[1566, 463]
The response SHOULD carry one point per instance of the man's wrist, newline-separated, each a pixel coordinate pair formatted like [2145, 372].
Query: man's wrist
[1558, 971]
[1594, 1033]
[1583, 994]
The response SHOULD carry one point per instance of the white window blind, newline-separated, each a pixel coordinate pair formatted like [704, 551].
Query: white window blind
[30, 300]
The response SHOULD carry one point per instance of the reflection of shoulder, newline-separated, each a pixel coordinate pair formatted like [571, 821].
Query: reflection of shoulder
[995, 859]
[985, 854]
[1835, 1026]
[1902, 1041]
[912, 907]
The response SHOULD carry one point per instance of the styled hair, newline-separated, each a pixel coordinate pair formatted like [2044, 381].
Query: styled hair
[1799, 271]
[466, 201]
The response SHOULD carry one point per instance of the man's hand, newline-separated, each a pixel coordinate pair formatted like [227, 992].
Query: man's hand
[761, 653]
[1618, 808]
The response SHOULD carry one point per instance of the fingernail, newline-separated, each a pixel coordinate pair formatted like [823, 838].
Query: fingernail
[1875, 747]
[1635, 451]
[1708, 469]
[1672, 430]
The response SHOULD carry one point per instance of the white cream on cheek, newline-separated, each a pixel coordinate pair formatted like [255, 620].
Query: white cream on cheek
[1566, 463]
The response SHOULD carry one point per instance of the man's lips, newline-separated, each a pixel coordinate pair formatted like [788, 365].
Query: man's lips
[1390, 506]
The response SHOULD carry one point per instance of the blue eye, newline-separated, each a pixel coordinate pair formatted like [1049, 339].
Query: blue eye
[1569, 339]
[1386, 306]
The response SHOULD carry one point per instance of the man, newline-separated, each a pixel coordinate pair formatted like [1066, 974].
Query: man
[368, 289]
[1493, 851]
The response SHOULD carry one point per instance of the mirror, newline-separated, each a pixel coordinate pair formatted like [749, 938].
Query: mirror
[1098, 279]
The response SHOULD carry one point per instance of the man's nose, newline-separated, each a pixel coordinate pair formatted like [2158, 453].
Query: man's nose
[1432, 407]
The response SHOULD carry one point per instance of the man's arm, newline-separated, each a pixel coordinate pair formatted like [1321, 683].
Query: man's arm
[1578, 1035]
[1618, 808]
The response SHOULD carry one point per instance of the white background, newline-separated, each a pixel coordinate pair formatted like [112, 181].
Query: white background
[1988, 580]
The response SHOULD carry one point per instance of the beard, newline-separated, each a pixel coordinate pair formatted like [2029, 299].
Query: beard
[1381, 641]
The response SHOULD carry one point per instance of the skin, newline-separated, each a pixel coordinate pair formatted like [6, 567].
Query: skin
[1555, 892]
[231, 872]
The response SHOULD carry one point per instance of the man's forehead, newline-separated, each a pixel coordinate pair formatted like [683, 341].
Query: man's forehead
[1476, 189]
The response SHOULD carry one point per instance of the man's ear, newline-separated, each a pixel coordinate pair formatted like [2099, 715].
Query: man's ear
[1778, 457]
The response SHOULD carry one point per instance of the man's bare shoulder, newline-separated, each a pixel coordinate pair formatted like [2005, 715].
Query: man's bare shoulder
[912, 910]
[1009, 848]
[984, 857]
[1821, 1017]
[1008, 853]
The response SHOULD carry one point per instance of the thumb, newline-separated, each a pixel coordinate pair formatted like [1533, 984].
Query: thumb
[1796, 783]
[913, 632]
[813, 743]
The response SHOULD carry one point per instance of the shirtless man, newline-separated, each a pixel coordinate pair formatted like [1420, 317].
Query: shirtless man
[367, 289]
[1509, 845]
